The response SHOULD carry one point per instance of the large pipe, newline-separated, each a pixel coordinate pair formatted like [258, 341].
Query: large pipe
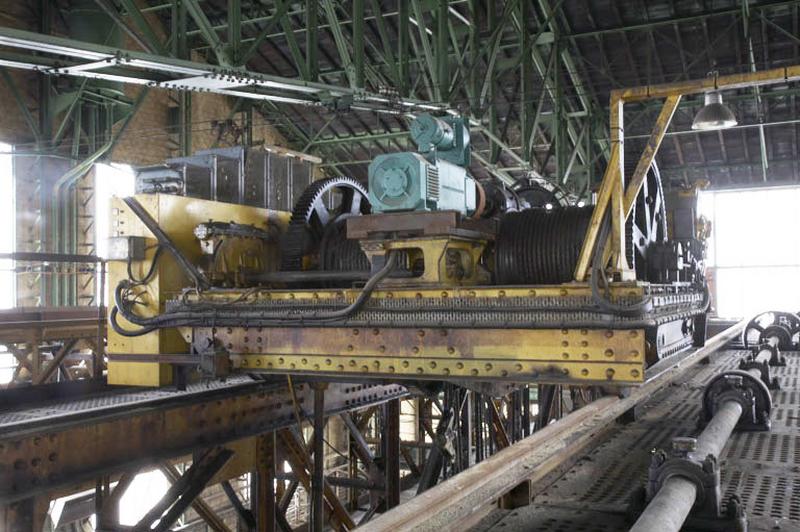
[670, 507]
[458, 498]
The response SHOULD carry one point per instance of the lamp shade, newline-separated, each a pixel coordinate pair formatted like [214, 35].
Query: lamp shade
[714, 114]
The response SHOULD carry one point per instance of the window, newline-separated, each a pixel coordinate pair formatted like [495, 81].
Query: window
[754, 255]
[144, 492]
[7, 236]
[8, 297]
[110, 180]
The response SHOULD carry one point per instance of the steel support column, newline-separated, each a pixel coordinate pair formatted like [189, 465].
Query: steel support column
[234, 31]
[262, 499]
[442, 50]
[358, 42]
[184, 491]
[402, 46]
[391, 437]
[312, 35]
[317, 513]
[526, 79]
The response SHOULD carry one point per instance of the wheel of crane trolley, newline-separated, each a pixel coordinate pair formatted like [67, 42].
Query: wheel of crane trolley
[784, 326]
[315, 238]
[540, 194]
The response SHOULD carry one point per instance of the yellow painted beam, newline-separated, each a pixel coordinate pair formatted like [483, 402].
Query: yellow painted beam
[603, 200]
[732, 81]
[522, 355]
[648, 156]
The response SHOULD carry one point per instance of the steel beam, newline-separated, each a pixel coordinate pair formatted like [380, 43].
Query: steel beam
[205, 512]
[281, 8]
[58, 358]
[743, 80]
[170, 73]
[298, 458]
[442, 50]
[264, 509]
[183, 491]
[149, 41]
[317, 513]
[391, 437]
[358, 42]
[244, 515]
[23, 107]
[674, 20]
[402, 47]
[131, 431]
[209, 33]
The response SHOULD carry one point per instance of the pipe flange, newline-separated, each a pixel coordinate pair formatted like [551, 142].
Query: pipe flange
[747, 390]
[703, 472]
[775, 357]
[779, 331]
[763, 368]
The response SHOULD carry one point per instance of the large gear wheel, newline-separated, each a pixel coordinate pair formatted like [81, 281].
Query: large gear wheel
[325, 202]
[784, 326]
[647, 225]
[538, 194]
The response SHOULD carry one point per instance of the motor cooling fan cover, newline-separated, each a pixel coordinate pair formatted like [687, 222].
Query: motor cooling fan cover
[397, 182]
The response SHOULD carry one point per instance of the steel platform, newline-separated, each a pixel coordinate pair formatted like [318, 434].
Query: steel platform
[594, 495]
[56, 442]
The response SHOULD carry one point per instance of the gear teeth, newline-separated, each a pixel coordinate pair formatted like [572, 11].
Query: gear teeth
[296, 240]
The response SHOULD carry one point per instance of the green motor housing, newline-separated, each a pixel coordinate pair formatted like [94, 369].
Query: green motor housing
[434, 179]
[409, 182]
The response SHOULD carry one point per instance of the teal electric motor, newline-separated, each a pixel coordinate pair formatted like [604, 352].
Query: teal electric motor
[434, 178]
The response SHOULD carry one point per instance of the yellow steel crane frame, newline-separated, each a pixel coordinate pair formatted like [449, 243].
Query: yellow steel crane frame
[614, 354]
[614, 196]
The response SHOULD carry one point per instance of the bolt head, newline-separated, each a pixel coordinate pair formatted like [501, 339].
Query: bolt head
[684, 444]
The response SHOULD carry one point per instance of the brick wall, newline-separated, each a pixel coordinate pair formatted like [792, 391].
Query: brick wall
[147, 140]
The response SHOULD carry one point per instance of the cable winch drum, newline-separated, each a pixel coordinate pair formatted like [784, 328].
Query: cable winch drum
[538, 246]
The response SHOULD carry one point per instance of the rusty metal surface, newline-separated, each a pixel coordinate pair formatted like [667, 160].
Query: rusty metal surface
[464, 307]
[55, 445]
[419, 224]
[508, 333]
[763, 468]
[18, 325]
[546, 354]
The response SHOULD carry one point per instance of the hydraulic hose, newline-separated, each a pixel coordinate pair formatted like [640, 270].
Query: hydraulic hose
[633, 310]
[176, 319]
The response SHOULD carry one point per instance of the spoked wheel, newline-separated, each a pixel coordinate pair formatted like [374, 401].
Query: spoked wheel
[648, 224]
[540, 194]
[784, 326]
[319, 213]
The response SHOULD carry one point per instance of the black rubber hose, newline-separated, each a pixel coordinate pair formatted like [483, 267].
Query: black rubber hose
[175, 319]
[165, 241]
[150, 271]
[633, 310]
[112, 319]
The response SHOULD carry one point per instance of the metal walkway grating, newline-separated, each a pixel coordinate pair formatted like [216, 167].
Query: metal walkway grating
[763, 468]
[107, 402]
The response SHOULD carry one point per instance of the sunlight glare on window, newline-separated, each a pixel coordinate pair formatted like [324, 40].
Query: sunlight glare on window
[110, 180]
[7, 236]
[8, 297]
[144, 492]
[754, 265]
